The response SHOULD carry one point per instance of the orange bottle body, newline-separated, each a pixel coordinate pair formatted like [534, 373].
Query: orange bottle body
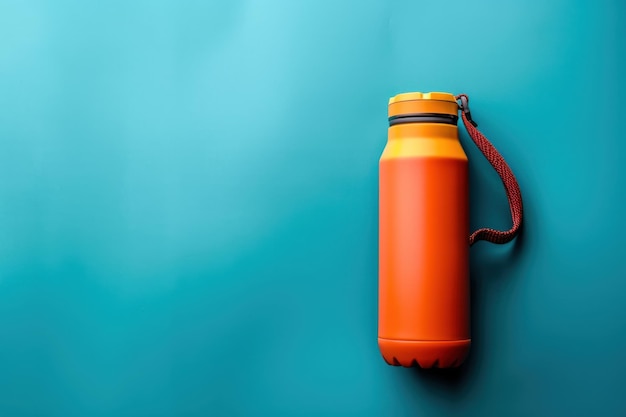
[423, 236]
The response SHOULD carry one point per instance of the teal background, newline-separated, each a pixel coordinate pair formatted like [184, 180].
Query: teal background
[188, 205]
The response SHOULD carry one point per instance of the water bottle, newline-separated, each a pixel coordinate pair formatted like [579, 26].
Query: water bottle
[424, 296]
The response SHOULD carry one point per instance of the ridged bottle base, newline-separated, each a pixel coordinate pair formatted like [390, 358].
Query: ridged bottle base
[425, 354]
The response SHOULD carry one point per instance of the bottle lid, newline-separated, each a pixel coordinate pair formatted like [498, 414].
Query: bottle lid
[422, 96]
[417, 104]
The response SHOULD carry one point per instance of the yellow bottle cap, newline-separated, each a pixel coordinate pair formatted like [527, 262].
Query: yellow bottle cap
[422, 96]
[416, 103]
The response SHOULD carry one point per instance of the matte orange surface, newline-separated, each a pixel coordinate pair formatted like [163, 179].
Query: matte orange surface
[423, 260]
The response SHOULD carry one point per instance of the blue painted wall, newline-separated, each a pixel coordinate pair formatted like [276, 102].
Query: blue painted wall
[188, 205]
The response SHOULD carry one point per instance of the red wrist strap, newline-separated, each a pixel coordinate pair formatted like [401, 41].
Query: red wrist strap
[511, 186]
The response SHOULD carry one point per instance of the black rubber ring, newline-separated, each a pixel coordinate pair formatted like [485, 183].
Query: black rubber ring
[449, 119]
